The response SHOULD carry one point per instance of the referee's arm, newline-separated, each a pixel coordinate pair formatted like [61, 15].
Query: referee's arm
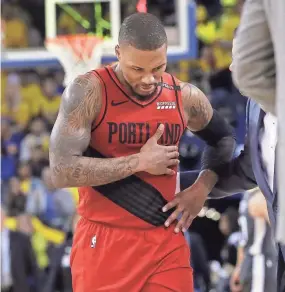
[238, 178]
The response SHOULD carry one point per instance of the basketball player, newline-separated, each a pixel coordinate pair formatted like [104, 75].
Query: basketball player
[116, 139]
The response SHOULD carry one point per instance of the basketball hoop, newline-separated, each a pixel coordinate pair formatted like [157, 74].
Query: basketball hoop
[77, 54]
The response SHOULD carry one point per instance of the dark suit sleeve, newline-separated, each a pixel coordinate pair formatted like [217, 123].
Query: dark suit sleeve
[238, 178]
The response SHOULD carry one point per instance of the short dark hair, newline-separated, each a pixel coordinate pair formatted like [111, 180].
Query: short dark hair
[143, 31]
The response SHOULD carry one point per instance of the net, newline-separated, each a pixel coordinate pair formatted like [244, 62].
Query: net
[77, 54]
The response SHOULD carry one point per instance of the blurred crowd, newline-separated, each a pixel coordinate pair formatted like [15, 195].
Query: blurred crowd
[29, 104]
[30, 204]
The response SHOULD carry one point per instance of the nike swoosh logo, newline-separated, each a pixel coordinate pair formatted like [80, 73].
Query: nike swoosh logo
[115, 103]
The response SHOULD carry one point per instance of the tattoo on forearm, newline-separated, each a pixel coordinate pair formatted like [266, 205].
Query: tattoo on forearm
[81, 103]
[196, 106]
[86, 171]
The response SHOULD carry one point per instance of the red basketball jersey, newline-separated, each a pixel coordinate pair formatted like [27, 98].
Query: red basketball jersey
[122, 128]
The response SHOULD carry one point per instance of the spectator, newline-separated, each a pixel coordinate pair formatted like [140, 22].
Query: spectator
[3, 85]
[19, 271]
[59, 276]
[38, 161]
[17, 199]
[66, 24]
[230, 229]
[13, 105]
[16, 29]
[9, 153]
[10, 137]
[50, 100]
[206, 28]
[8, 162]
[38, 136]
[218, 56]
[59, 78]
[53, 206]
[35, 39]
[9, 150]
[31, 90]
[30, 186]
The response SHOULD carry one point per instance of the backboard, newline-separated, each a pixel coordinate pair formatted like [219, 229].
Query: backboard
[104, 17]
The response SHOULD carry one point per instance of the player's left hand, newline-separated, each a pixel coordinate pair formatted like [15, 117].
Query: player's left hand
[188, 203]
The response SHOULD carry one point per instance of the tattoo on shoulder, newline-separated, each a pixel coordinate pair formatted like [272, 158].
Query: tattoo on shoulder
[197, 107]
[82, 95]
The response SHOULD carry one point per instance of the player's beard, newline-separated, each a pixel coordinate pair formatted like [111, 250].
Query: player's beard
[130, 88]
[142, 97]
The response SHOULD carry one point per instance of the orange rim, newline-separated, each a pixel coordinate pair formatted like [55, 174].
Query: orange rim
[81, 44]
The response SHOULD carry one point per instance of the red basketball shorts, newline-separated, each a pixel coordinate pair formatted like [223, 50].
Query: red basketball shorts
[126, 260]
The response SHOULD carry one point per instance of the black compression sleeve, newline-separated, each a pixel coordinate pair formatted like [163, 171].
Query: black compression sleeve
[221, 143]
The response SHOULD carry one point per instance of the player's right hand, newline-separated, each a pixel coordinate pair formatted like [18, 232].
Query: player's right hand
[158, 159]
[235, 280]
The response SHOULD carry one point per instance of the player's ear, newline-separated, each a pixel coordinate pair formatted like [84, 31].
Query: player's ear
[117, 51]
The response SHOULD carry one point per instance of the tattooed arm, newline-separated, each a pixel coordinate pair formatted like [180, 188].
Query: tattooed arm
[197, 108]
[70, 137]
[212, 128]
[81, 103]
[208, 125]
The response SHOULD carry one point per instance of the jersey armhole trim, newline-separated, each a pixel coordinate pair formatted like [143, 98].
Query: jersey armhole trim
[105, 98]
[178, 101]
